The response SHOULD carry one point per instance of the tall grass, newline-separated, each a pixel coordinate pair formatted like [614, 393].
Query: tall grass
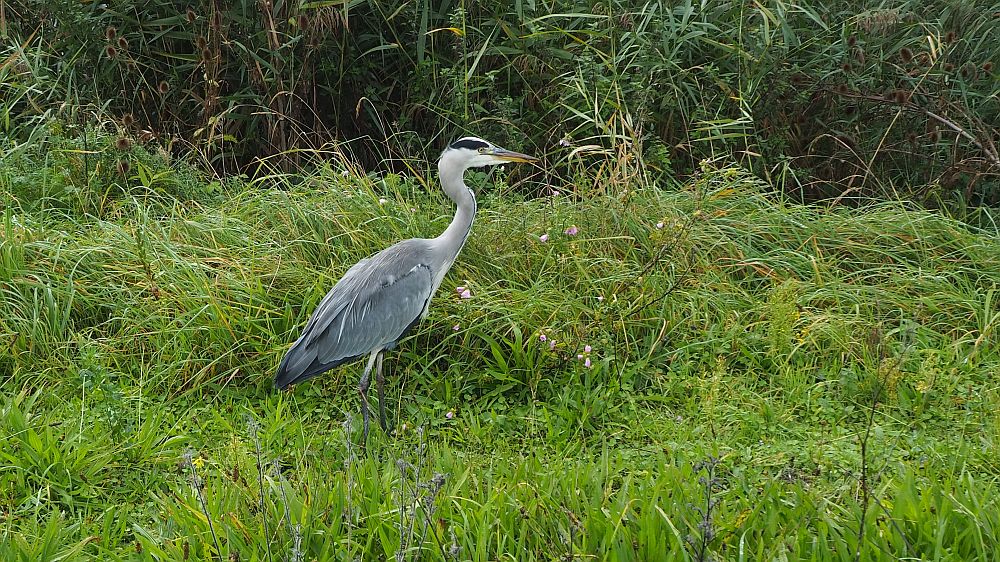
[838, 100]
[715, 320]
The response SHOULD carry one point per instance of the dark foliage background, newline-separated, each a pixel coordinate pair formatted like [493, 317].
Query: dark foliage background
[830, 100]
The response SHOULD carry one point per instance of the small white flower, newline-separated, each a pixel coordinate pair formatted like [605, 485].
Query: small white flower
[382, 200]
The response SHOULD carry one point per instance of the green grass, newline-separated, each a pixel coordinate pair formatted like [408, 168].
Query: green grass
[139, 333]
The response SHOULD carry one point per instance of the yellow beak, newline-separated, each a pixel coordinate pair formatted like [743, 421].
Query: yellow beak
[511, 156]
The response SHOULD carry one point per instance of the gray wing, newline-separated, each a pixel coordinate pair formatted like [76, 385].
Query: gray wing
[372, 306]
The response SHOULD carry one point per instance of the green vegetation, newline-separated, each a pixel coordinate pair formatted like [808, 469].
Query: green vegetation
[666, 353]
[840, 365]
[860, 100]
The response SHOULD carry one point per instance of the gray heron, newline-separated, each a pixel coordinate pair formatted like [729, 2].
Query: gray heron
[382, 297]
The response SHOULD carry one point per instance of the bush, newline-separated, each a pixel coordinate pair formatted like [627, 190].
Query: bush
[828, 100]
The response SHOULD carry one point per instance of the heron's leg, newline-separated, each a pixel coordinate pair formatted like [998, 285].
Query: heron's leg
[366, 380]
[380, 383]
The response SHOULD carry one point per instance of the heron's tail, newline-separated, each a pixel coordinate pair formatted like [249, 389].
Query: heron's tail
[300, 365]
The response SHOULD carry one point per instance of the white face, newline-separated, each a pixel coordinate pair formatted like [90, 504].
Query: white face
[472, 152]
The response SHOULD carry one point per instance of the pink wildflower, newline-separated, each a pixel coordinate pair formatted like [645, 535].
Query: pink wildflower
[552, 344]
[572, 231]
[459, 289]
[450, 414]
[586, 349]
[579, 356]
[541, 337]
[543, 238]
[659, 225]
[466, 294]
[587, 363]
[600, 298]
[456, 327]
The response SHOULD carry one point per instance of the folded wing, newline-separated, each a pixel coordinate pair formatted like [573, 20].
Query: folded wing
[370, 308]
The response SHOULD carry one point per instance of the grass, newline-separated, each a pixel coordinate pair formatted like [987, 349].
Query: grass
[767, 381]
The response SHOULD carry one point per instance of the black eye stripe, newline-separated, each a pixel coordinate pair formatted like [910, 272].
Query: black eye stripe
[471, 144]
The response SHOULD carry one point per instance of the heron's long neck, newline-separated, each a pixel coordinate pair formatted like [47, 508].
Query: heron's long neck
[453, 238]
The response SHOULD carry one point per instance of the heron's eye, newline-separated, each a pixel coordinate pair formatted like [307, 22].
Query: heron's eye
[482, 150]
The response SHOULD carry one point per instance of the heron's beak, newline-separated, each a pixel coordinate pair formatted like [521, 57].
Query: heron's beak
[511, 156]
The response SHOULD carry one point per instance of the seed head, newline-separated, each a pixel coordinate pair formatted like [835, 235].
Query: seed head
[123, 43]
[906, 54]
[111, 51]
[200, 42]
[163, 87]
[852, 41]
[123, 144]
[988, 66]
[191, 16]
[128, 120]
[110, 33]
[949, 37]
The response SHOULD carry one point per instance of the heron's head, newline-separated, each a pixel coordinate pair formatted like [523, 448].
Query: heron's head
[473, 152]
